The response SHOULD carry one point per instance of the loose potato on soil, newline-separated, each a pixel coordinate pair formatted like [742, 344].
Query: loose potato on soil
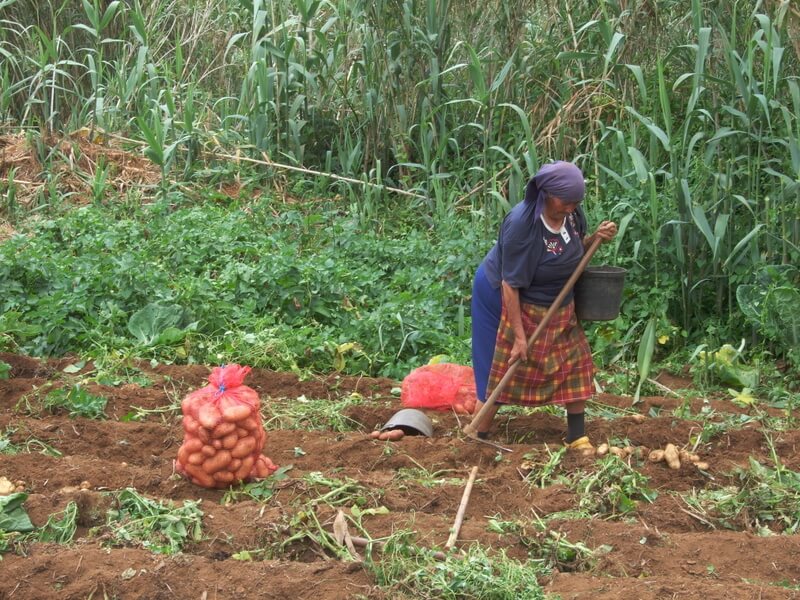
[6, 487]
[392, 435]
[672, 456]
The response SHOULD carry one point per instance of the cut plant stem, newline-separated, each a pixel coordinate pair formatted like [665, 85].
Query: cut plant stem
[362, 542]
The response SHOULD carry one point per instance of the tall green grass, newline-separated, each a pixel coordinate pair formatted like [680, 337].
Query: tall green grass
[683, 115]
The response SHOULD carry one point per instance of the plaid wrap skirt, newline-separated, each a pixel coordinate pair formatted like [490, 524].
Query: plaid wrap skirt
[559, 368]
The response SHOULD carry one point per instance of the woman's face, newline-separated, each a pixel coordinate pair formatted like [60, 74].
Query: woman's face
[558, 208]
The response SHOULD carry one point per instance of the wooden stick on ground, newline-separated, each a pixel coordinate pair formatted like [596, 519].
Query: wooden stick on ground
[462, 508]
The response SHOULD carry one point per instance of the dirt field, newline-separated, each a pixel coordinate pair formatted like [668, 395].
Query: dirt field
[661, 551]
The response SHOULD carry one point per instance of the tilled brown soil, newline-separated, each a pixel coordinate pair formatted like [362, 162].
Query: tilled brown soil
[662, 550]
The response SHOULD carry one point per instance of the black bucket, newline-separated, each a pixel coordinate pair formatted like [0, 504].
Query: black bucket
[598, 293]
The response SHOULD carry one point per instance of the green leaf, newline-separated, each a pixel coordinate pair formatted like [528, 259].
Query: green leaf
[645, 355]
[73, 368]
[149, 324]
[652, 127]
[498, 81]
[12, 516]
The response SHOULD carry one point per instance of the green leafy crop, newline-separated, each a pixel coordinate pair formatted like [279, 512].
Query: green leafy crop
[76, 401]
[161, 528]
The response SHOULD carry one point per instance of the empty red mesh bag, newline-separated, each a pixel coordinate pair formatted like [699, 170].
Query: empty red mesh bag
[223, 434]
[442, 386]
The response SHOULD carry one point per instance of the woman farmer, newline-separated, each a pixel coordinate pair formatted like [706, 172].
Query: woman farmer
[541, 242]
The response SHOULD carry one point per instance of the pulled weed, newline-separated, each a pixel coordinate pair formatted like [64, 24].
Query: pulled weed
[406, 569]
[426, 478]
[338, 492]
[261, 490]
[548, 548]
[544, 473]
[161, 528]
[311, 414]
[614, 489]
[763, 499]
[31, 444]
[60, 527]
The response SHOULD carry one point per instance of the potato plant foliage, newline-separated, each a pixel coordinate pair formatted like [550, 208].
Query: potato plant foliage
[424, 120]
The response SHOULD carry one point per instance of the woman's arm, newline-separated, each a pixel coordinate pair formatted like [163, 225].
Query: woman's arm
[514, 311]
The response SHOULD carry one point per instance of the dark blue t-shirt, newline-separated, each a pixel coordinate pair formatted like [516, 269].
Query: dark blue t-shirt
[531, 258]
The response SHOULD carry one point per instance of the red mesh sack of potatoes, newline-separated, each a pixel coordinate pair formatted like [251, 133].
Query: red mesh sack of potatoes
[441, 386]
[223, 434]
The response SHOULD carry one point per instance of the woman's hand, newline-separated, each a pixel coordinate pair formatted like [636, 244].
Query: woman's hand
[606, 231]
[519, 351]
[512, 304]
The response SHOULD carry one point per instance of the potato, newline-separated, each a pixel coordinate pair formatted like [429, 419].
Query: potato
[260, 470]
[242, 432]
[224, 476]
[395, 434]
[249, 423]
[208, 450]
[209, 416]
[243, 447]
[189, 404]
[6, 487]
[702, 465]
[374, 435]
[685, 455]
[199, 477]
[694, 458]
[392, 435]
[618, 452]
[190, 424]
[217, 462]
[230, 440]
[246, 465]
[192, 444]
[656, 456]
[264, 467]
[672, 456]
[203, 434]
[235, 464]
[235, 413]
[223, 429]
[638, 418]
[602, 449]
[195, 458]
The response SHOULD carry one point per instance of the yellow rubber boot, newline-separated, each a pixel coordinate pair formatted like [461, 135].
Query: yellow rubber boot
[582, 444]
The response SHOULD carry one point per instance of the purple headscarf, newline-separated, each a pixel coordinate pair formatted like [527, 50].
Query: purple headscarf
[561, 179]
